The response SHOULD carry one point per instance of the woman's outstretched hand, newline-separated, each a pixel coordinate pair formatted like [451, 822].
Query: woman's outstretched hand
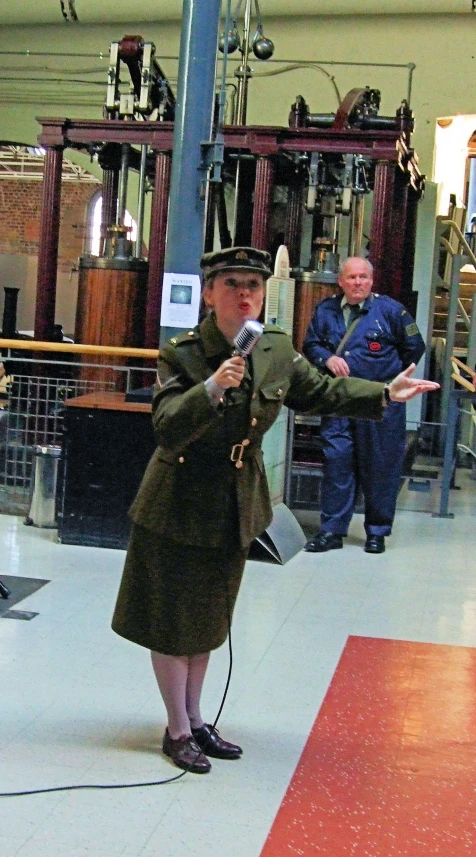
[403, 387]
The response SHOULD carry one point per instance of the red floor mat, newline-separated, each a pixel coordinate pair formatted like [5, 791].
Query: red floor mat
[389, 768]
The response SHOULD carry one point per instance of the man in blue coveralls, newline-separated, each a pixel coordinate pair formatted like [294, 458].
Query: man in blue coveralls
[367, 336]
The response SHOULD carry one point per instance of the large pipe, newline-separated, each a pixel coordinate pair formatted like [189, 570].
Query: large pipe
[192, 126]
[244, 72]
[141, 201]
[123, 179]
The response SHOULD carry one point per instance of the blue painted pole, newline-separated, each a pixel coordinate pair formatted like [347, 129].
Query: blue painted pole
[192, 126]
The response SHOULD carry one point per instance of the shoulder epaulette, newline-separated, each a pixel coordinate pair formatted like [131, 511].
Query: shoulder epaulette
[273, 328]
[181, 338]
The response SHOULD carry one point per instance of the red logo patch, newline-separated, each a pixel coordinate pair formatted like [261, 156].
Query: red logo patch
[375, 346]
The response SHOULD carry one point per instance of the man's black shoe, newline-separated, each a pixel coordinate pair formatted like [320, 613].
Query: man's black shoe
[323, 542]
[374, 544]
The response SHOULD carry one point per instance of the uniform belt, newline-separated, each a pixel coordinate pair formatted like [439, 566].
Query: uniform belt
[238, 450]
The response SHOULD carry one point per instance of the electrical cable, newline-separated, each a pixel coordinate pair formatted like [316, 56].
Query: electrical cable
[111, 786]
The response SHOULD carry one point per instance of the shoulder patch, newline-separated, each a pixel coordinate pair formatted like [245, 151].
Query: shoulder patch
[412, 329]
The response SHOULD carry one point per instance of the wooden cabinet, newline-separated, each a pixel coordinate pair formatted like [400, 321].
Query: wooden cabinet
[106, 448]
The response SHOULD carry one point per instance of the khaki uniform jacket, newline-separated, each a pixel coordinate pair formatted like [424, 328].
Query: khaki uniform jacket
[192, 489]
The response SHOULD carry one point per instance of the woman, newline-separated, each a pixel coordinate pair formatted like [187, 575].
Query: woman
[204, 496]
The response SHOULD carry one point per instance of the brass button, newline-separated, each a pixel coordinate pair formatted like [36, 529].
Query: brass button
[279, 392]
[174, 340]
[181, 459]
[190, 333]
[254, 396]
[239, 464]
[245, 442]
[254, 422]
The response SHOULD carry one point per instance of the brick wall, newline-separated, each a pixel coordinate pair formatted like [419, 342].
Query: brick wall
[20, 207]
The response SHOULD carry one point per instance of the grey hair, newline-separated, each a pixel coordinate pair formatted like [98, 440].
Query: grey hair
[344, 262]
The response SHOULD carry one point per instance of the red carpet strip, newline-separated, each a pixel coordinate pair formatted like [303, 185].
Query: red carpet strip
[389, 768]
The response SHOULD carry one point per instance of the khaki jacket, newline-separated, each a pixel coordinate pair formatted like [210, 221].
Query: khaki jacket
[192, 490]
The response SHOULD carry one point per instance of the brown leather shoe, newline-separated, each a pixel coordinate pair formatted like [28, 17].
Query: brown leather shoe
[208, 739]
[186, 753]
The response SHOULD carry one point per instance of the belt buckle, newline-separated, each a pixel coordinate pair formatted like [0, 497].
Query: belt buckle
[236, 455]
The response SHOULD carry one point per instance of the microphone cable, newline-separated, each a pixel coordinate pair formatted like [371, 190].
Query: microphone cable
[111, 786]
[245, 341]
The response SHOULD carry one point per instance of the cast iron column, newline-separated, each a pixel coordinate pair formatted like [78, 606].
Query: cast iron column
[262, 203]
[396, 247]
[380, 230]
[294, 212]
[192, 126]
[408, 295]
[48, 245]
[158, 231]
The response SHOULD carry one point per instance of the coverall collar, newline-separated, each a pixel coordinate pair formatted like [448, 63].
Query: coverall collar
[364, 305]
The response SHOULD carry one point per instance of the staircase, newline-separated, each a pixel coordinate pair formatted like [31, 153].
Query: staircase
[467, 290]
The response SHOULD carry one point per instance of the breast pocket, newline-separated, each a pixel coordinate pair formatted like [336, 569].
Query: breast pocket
[376, 343]
[272, 399]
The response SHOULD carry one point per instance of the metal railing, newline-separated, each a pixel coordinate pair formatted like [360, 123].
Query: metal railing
[460, 255]
[31, 415]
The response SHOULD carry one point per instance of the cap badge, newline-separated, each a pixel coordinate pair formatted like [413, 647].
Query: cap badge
[241, 255]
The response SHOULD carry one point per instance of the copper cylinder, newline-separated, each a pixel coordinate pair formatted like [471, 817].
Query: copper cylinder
[310, 289]
[110, 311]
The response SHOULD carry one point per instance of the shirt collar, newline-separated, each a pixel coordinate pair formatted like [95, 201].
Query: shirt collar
[345, 303]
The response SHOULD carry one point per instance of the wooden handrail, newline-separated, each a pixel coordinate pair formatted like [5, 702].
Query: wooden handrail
[464, 367]
[464, 383]
[77, 348]
[462, 240]
[468, 385]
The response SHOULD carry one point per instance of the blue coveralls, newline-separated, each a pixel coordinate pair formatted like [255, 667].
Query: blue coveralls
[361, 452]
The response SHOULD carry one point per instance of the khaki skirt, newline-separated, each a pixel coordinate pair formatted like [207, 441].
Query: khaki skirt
[177, 599]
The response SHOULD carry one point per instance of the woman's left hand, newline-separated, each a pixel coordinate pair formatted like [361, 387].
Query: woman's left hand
[403, 388]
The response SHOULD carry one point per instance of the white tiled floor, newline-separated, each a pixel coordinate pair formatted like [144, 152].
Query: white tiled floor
[78, 705]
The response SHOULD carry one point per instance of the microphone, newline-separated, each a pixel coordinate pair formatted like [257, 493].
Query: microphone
[247, 337]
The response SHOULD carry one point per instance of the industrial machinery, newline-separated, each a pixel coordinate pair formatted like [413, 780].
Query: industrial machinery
[327, 186]
[147, 94]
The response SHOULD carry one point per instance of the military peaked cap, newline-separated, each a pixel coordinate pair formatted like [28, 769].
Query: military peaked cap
[236, 259]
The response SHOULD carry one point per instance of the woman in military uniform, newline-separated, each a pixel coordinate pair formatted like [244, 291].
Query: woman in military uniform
[204, 496]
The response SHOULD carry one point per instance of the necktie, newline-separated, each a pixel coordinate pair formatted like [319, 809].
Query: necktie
[353, 314]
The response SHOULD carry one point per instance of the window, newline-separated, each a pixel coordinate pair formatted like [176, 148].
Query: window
[94, 230]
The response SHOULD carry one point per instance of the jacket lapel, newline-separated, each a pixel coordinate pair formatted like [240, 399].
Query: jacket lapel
[260, 361]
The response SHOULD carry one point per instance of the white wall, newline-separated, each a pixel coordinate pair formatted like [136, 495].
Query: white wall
[441, 47]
